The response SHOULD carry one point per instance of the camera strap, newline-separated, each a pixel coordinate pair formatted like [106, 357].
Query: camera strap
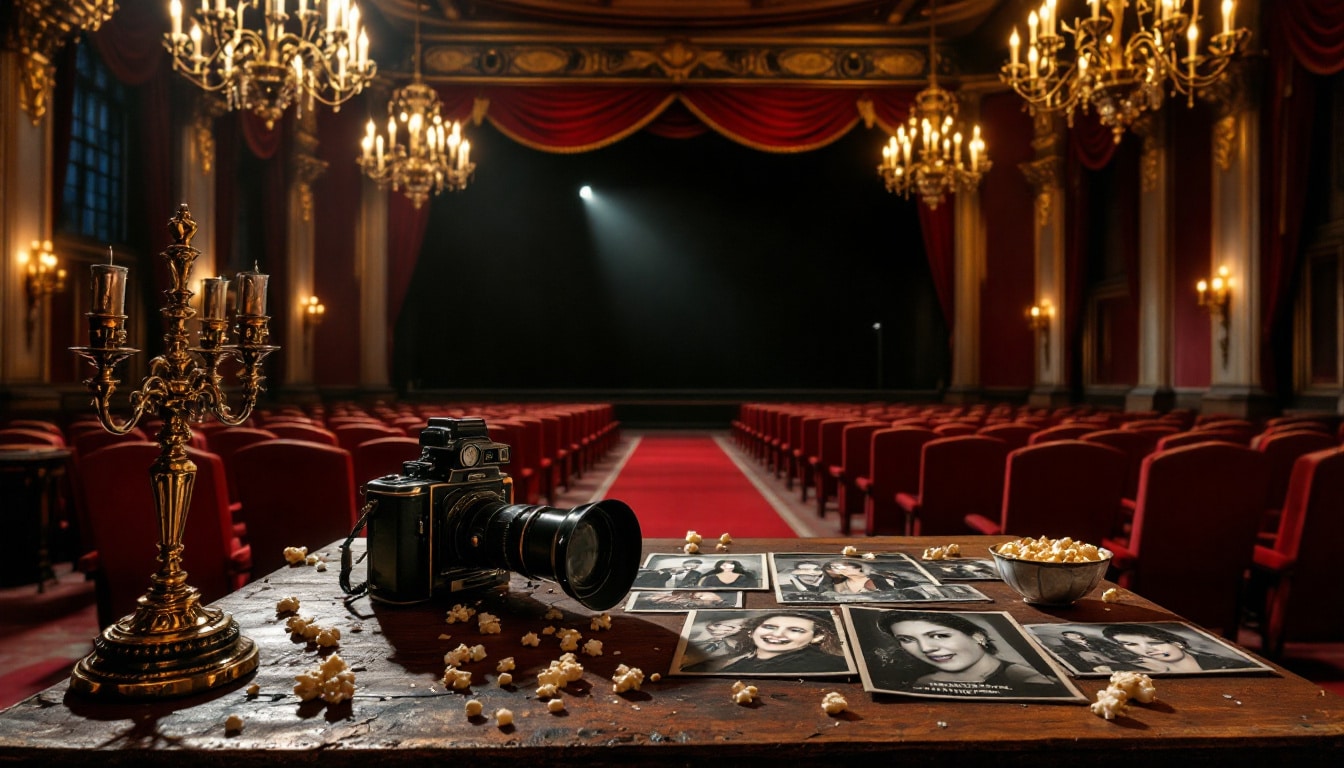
[347, 557]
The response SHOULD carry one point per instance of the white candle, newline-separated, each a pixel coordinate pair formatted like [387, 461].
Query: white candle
[1228, 8]
[956, 142]
[391, 133]
[464, 158]
[1014, 42]
[1096, 9]
[109, 289]
[1032, 21]
[215, 299]
[1032, 58]
[1193, 35]
[252, 292]
[175, 10]
[379, 144]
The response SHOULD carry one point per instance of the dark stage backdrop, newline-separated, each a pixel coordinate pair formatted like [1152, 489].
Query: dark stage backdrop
[698, 264]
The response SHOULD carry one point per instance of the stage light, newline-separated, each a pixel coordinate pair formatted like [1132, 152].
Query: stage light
[586, 192]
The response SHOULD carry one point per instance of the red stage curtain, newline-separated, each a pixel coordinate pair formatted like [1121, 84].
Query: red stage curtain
[937, 227]
[1093, 143]
[1306, 42]
[262, 141]
[405, 235]
[775, 119]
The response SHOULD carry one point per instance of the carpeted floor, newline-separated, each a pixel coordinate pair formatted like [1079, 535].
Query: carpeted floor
[676, 481]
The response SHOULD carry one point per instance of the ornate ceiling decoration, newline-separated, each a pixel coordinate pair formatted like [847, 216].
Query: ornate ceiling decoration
[780, 42]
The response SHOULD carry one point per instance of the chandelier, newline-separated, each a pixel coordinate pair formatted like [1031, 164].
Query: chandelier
[286, 58]
[40, 29]
[929, 156]
[1121, 77]
[430, 155]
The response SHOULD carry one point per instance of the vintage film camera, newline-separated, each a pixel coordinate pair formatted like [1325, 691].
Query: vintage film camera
[448, 524]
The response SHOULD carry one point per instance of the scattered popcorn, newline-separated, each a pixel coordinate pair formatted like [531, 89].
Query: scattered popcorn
[691, 548]
[460, 612]
[722, 547]
[564, 670]
[488, 624]
[555, 706]
[627, 678]
[593, 648]
[233, 724]
[312, 560]
[321, 566]
[505, 678]
[942, 553]
[569, 639]
[743, 693]
[458, 656]
[531, 639]
[693, 537]
[833, 703]
[305, 626]
[445, 637]
[1136, 686]
[328, 637]
[548, 630]
[296, 555]
[504, 717]
[477, 652]
[1111, 595]
[253, 689]
[474, 708]
[600, 622]
[287, 605]
[505, 665]
[869, 555]
[850, 550]
[331, 680]
[1110, 704]
[1124, 687]
[459, 679]
[553, 614]
[655, 677]
[1048, 550]
[547, 690]
[725, 539]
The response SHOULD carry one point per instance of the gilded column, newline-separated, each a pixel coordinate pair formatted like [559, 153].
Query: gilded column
[1154, 391]
[371, 261]
[1235, 245]
[308, 167]
[1046, 176]
[968, 275]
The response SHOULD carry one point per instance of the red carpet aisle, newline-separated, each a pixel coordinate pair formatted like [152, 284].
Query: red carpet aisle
[676, 483]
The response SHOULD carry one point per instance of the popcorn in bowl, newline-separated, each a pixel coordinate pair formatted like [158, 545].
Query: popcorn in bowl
[1053, 572]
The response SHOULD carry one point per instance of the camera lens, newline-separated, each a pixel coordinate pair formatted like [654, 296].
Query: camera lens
[592, 551]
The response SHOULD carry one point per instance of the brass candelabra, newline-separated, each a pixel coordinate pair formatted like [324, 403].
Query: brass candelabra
[172, 644]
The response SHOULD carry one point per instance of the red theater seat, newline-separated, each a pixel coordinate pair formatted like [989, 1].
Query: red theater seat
[958, 476]
[894, 469]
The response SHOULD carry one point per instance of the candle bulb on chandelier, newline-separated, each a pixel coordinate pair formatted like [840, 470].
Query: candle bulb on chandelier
[1032, 21]
[463, 159]
[1096, 9]
[1014, 42]
[379, 144]
[1193, 35]
[1228, 8]
[175, 10]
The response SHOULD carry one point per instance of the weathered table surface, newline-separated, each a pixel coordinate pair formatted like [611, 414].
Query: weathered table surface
[402, 714]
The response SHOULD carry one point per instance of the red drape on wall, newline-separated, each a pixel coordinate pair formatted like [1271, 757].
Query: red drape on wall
[1093, 143]
[936, 224]
[130, 43]
[405, 235]
[1306, 42]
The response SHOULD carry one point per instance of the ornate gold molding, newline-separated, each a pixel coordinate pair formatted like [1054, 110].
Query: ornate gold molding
[1224, 141]
[1045, 175]
[675, 60]
[1230, 97]
[1149, 127]
[39, 29]
[308, 167]
[203, 131]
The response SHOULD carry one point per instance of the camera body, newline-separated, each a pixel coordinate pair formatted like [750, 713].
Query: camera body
[411, 557]
[448, 524]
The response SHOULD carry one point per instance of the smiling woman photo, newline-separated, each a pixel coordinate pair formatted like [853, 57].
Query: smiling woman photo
[954, 649]
[784, 642]
[1162, 651]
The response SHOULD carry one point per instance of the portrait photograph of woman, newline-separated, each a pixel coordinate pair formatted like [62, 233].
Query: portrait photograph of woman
[788, 642]
[703, 572]
[1154, 648]
[953, 655]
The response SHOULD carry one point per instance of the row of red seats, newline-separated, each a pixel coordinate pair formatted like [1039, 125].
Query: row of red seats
[1156, 494]
[285, 482]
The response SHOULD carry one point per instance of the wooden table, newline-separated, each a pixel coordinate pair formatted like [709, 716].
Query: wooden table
[402, 715]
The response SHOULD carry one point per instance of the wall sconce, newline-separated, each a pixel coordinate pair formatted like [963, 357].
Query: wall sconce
[313, 312]
[1215, 297]
[43, 276]
[1039, 317]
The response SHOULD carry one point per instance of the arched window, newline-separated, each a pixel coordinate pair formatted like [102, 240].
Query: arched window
[93, 203]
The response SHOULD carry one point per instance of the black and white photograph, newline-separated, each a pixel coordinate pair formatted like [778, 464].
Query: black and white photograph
[953, 655]
[962, 569]
[679, 600]
[890, 578]
[1153, 648]
[779, 642]
[703, 572]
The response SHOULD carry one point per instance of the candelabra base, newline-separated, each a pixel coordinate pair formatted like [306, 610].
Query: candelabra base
[161, 652]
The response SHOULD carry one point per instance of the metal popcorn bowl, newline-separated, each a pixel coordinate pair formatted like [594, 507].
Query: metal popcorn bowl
[1051, 584]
